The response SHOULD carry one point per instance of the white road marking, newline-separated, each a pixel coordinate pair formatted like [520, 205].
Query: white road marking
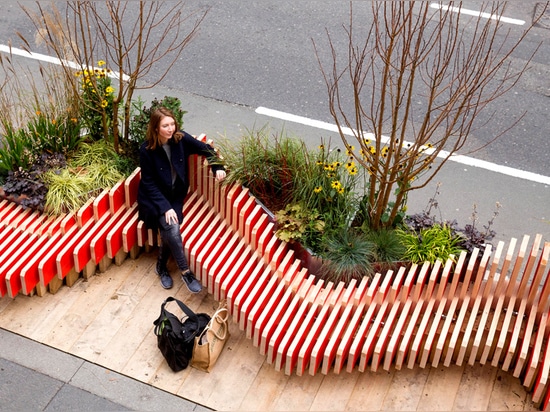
[53, 60]
[465, 160]
[475, 13]
[319, 124]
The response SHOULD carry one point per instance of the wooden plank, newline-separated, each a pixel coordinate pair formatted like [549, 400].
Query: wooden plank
[117, 197]
[500, 296]
[225, 258]
[280, 342]
[336, 345]
[47, 268]
[488, 295]
[270, 335]
[380, 340]
[253, 293]
[418, 306]
[251, 221]
[13, 256]
[131, 185]
[466, 304]
[440, 302]
[29, 279]
[98, 244]
[201, 255]
[540, 389]
[228, 271]
[237, 273]
[114, 239]
[252, 275]
[313, 323]
[240, 281]
[216, 254]
[319, 352]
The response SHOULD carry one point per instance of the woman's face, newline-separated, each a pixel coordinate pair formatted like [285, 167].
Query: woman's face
[167, 128]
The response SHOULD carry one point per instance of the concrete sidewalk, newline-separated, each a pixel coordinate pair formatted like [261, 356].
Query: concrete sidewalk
[36, 377]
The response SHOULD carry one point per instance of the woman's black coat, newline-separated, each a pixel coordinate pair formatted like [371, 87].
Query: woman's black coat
[155, 193]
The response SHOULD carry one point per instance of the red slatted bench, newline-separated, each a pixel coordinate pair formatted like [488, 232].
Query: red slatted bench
[492, 307]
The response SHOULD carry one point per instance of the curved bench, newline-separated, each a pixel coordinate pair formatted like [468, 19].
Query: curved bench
[491, 308]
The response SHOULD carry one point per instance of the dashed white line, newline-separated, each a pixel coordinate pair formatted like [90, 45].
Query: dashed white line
[49, 59]
[475, 13]
[465, 160]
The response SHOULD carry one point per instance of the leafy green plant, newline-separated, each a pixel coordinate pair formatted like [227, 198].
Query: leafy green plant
[97, 96]
[430, 244]
[68, 190]
[142, 114]
[16, 151]
[92, 168]
[296, 224]
[54, 135]
[387, 245]
[139, 121]
[348, 255]
[330, 183]
[268, 165]
[27, 186]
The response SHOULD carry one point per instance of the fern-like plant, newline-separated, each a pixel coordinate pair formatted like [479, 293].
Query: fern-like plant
[348, 255]
[430, 244]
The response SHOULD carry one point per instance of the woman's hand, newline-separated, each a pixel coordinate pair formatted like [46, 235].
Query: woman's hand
[171, 217]
[220, 175]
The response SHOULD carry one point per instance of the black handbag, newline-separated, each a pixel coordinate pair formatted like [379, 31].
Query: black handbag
[175, 337]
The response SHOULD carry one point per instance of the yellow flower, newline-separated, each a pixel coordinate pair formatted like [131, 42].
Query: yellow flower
[38, 113]
[341, 190]
[109, 89]
[336, 184]
[350, 150]
[372, 149]
[322, 147]
[78, 73]
[318, 189]
[353, 170]
[104, 103]
[101, 63]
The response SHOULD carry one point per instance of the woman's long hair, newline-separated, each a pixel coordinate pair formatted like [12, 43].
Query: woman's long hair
[152, 135]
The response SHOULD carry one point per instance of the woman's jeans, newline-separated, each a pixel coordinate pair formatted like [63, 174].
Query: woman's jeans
[172, 242]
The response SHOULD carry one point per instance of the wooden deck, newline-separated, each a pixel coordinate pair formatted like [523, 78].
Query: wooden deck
[108, 318]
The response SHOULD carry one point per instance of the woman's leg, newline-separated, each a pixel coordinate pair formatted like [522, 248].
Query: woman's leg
[171, 239]
[172, 242]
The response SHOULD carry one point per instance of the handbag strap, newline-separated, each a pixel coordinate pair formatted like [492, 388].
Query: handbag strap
[182, 306]
[221, 320]
[174, 322]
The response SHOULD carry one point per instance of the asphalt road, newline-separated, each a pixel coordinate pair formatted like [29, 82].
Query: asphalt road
[261, 54]
[257, 54]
